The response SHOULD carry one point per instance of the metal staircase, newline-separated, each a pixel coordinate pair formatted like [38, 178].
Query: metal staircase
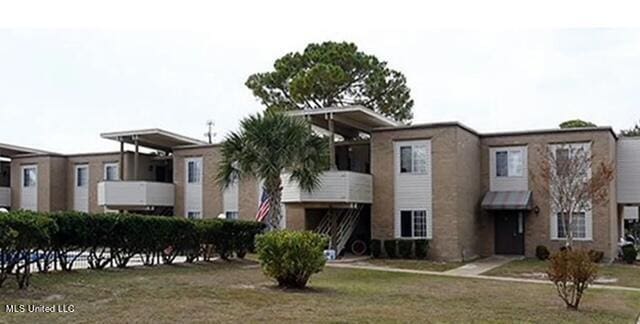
[347, 220]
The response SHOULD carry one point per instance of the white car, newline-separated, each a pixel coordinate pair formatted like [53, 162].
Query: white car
[3, 210]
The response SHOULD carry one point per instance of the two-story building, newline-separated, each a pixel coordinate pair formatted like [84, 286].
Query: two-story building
[471, 194]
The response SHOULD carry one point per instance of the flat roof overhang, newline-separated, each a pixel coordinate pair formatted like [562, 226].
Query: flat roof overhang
[9, 151]
[154, 138]
[348, 121]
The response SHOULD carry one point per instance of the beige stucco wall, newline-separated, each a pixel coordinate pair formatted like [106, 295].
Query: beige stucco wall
[537, 226]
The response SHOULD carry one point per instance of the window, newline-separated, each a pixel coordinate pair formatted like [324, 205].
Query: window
[231, 215]
[562, 160]
[413, 159]
[194, 215]
[82, 176]
[580, 226]
[29, 176]
[111, 172]
[413, 223]
[193, 175]
[509, 163]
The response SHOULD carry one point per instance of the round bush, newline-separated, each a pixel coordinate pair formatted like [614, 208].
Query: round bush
[629, 254]
[291, 257]
[542, 252]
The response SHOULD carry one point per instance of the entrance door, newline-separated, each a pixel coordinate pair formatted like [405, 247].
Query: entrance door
[509, 232]
[81, 191]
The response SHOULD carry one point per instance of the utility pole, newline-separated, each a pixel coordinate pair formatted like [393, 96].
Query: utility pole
[210, 134]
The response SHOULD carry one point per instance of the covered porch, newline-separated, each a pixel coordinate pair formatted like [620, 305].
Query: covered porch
[134, 188]
[340, 206]
[508, 210]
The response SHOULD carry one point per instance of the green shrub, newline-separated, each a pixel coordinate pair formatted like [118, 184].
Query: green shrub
[291, 257]
[376, 248]
[100, 237]
[422, 247]
[629, 253]
[244, 236]
[72, 236]
[572, 271]
[596, 256]
[29, 237]
[390, 248]
[542, 252]
[23, 235]
[405, 247]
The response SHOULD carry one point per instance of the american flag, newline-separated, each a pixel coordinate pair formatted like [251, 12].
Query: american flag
[263, 208]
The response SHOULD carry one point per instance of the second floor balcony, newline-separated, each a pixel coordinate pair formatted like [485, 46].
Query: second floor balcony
[335, 187]
[135, 194]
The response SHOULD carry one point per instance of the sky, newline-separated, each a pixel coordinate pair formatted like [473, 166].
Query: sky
[70, 70]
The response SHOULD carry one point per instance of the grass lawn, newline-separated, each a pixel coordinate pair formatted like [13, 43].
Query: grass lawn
[237, 291]
[415, 264]
[626, 275]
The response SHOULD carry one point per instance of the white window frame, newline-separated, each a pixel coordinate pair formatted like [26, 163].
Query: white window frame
[194, 214]
[510, 152]
[25, 170]
[232, 213]
[588, 219]
[78, 169]
[413, 224]
[588, 213]
[198, 171]
[105, 175]
[413, 146]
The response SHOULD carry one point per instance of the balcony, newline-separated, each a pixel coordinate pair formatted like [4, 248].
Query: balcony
[335, 187]
[5, 197]
[135, 194]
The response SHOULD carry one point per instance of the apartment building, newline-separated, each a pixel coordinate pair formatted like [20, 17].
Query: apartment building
[471, 194]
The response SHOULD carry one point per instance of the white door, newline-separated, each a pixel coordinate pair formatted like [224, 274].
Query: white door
[81, 188]
[193, 188]
[29, 186]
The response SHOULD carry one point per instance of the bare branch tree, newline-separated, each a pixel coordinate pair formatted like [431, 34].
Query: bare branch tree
[572, 182]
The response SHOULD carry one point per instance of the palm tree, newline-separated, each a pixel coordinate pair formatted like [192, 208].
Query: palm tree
[269, 144]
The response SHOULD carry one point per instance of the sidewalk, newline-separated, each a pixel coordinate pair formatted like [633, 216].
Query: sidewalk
[465, 273]
[483, 265]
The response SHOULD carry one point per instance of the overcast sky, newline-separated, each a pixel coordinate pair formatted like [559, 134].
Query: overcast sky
[74, 69]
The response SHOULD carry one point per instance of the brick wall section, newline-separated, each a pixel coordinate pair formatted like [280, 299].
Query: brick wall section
[51, 185]
[455, 187]
[248, 198]
[295, 217]
[96, 174]
[469, 195]
[537, 226]
[211, 191]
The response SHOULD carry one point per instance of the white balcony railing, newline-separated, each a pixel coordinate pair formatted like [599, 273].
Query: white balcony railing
[335, 186]
[135, 194]
[5, 197]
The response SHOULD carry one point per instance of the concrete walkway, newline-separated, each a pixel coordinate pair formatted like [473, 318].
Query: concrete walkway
[483, 265]
[470, 276]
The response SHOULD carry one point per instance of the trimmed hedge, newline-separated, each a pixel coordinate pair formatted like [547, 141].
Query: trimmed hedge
[422, 248]
[405, 247]
[390, 248]
[376, 248]
[42, 238]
